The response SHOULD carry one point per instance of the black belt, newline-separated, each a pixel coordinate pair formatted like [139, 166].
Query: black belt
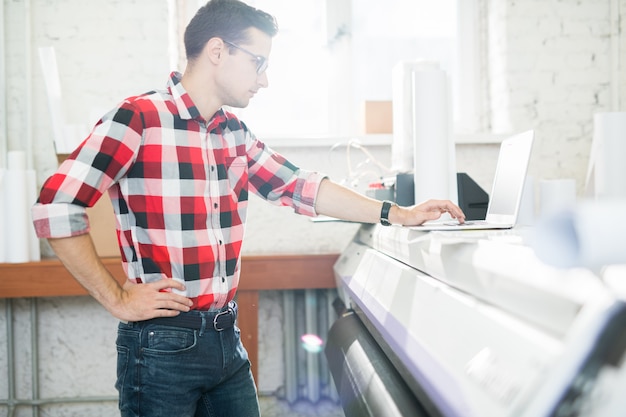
[221, 320]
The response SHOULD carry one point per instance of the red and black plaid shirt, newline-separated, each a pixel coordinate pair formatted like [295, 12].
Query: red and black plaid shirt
[179, 186]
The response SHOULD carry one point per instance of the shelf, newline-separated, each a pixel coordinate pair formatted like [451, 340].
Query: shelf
[49, 278]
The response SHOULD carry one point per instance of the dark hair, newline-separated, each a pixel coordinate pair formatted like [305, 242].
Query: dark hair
[226, 19]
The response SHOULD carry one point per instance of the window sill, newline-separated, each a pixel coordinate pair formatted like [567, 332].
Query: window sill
[326, 141]
[371, 140]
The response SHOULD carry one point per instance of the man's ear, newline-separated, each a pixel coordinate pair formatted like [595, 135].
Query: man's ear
[214, 50]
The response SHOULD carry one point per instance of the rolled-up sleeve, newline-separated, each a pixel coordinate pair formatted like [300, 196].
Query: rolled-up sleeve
[277, 180]
[59, 220]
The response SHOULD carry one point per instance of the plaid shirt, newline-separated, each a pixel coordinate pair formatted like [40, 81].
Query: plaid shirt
[179, 186]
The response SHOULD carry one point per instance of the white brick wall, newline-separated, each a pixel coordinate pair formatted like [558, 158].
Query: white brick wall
[550, 69]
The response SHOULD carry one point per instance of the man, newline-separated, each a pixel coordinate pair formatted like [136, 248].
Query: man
[178, 168]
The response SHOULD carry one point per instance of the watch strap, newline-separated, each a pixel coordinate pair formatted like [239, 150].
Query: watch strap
[384, 213]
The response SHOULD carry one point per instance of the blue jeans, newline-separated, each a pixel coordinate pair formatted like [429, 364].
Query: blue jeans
[179, 372]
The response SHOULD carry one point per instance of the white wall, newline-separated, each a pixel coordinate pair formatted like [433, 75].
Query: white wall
[550, 68]
[547, 65]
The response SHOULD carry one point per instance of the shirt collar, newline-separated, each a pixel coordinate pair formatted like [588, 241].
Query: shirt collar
[184, 104]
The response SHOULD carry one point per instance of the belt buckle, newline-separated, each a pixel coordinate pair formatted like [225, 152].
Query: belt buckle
[218, 315]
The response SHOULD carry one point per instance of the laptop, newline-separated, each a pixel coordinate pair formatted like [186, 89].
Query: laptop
[506, 191]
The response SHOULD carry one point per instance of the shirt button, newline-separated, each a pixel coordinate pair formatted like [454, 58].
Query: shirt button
[223, 279]
[215, 205]
[212, 168]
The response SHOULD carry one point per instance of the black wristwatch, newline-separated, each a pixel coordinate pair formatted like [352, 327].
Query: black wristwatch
[384, 213]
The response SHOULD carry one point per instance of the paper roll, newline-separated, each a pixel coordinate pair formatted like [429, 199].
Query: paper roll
[18, 193]
[16, 160]
[17, 216]
[403, 92]
[3, 230]
[48, 60]
[34, 248]
[590, 235]
[606, 176]
[422, 139]
[403, 112]
[556, 194]
[433, 149]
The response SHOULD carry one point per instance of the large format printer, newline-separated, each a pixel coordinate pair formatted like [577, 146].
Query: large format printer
[471, 323]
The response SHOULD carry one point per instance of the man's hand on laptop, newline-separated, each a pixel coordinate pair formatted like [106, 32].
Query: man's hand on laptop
[428, 210]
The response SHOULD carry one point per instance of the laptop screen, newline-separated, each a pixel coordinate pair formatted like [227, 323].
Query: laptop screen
[510, 175]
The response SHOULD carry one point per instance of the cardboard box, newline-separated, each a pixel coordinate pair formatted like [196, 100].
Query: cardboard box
[377, 117]
[102, 222]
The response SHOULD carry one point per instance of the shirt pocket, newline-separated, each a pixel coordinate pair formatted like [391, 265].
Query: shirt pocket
[237, 172]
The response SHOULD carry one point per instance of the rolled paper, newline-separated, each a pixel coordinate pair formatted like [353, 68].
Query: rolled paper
[590, 235]
[606, 176]
[422, 138]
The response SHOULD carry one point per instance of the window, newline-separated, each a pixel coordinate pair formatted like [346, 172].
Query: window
[329, 56]
[298, 73]
[385, 33]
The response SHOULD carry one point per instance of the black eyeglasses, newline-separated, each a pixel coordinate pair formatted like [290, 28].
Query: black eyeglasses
[261, 62]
